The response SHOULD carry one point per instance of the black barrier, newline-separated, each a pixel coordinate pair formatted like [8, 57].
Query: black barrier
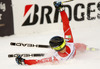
[6, 18]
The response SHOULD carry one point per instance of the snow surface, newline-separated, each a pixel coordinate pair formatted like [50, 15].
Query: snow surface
[88, 34]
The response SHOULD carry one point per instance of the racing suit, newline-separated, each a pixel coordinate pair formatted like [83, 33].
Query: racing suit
[70, 48]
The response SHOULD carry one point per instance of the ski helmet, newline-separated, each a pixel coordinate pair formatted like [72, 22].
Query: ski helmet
[57, 43]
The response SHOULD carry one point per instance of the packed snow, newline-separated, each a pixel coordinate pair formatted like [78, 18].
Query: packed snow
[86, 33]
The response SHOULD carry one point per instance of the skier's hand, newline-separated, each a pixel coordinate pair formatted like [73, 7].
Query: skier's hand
[57, 4]
[19, 60]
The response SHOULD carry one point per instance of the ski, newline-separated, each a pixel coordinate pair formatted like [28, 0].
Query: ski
[67, 1]
[92, 49]
[26, 55]
[19, 44]
[28, 45]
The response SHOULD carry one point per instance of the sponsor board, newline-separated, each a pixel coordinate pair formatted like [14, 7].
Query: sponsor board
[41, 16]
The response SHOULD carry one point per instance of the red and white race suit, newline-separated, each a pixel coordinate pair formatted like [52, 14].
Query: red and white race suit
[70, 49]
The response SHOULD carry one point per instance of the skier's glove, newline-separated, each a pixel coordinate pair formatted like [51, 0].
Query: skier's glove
[57, 4]
[19, 60]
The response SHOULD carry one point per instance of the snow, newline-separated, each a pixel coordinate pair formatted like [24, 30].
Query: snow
[83, 33]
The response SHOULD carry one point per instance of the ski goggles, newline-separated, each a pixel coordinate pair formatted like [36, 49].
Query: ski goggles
[59, 48]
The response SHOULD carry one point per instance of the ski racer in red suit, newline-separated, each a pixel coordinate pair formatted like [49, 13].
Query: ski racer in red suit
[64, 47]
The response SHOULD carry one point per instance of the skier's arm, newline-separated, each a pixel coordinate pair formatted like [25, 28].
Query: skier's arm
[67, 30]
[31, 62]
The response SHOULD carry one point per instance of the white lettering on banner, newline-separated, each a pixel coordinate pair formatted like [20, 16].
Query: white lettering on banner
[2, 6]
[0, 16]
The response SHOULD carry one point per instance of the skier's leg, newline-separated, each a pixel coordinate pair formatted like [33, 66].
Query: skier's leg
[80, 47]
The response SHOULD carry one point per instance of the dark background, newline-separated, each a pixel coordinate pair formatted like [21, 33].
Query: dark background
[6, 23]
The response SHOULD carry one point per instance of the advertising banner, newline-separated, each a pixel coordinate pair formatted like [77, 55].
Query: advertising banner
[36, 16]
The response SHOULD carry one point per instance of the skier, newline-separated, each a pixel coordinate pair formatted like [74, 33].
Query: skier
[64, 47]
